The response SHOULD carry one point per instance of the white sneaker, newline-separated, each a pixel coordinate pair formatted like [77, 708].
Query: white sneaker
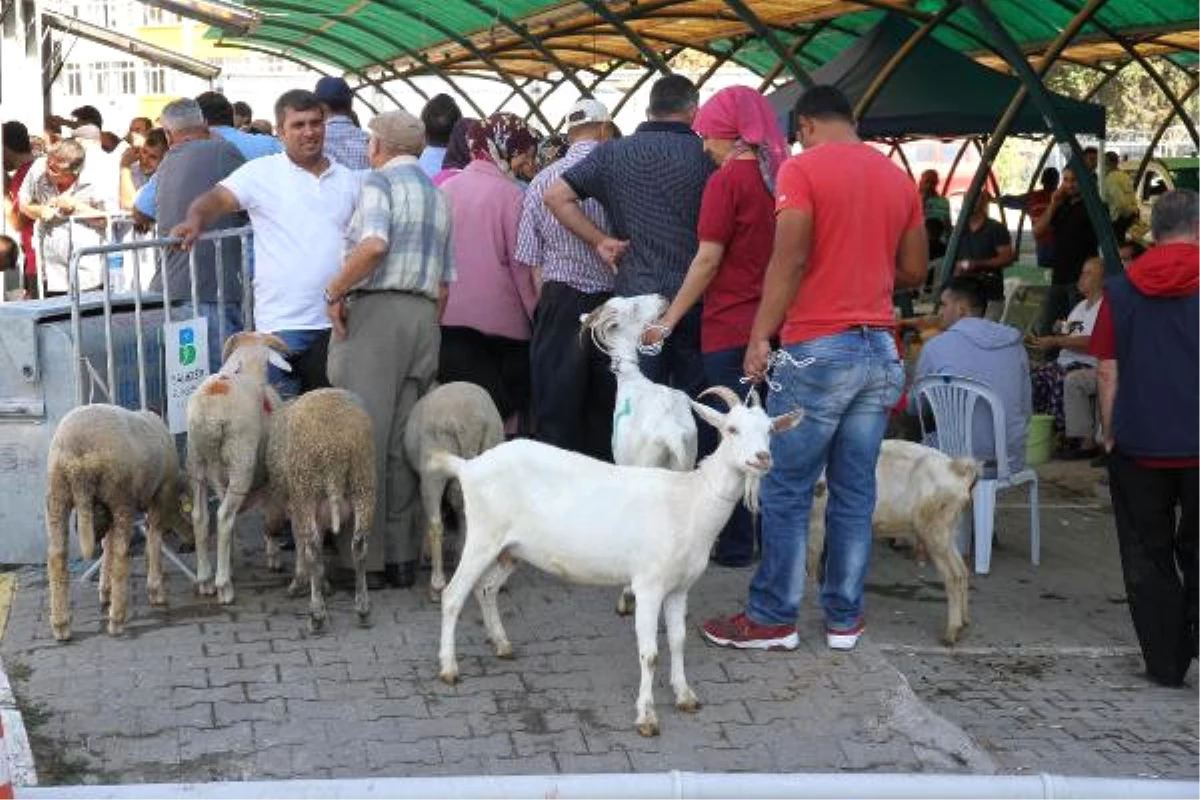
[844, 639]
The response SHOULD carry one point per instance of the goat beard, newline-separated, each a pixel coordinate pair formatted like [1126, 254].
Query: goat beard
[750, 492]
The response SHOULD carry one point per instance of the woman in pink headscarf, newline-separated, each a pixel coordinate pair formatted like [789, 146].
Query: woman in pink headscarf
[736, 233]
[486, 324]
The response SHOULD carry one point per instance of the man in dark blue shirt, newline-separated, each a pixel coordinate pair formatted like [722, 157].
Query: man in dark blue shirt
[650, 184]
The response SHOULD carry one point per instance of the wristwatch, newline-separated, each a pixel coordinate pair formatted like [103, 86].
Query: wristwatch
[330, 299]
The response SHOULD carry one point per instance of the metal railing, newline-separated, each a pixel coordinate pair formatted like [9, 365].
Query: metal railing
[158, 247]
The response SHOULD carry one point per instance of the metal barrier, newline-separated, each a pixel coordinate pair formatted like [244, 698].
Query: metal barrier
[158, 247]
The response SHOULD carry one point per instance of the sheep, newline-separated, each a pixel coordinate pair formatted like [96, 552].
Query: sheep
[653, 424]
[920, 492]
[108, 463]
[588, 521]
[461, 419]
[227, 419]
[321, 468]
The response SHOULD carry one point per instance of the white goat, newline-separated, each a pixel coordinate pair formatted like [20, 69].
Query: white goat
[461, 419]
[227, 419]
[108, 463]
[653, 424]
[587, 521]
[920, 492]
[321, 463]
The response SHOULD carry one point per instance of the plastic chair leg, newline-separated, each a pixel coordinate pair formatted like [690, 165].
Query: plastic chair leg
[1035, 528]
[962, 533]
[985, 510]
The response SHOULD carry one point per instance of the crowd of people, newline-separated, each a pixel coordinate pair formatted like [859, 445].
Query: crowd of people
[436, 248]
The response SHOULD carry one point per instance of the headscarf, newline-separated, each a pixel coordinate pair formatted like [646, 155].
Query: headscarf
[744, 116]
[499, 138]
[458, 153]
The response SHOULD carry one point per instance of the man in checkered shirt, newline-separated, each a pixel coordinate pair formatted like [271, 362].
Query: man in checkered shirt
[573, 388]
[345, 142]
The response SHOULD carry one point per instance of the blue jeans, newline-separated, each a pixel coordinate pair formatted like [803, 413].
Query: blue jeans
[735, 545]
[846, 392]
[299, 342]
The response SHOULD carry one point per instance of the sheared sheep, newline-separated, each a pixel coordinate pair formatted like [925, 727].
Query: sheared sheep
[459, 418]
[920, 492]
[107, 459]
[321, 467]
[587, 521]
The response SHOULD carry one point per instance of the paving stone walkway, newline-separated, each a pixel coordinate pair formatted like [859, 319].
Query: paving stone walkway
[1047, 680]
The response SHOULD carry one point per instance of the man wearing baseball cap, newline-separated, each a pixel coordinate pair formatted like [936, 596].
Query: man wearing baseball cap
[573, 389]
[345, 142]
[384, 305]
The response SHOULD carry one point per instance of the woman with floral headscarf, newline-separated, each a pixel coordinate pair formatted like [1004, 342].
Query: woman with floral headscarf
[487, 323]
[736, 233]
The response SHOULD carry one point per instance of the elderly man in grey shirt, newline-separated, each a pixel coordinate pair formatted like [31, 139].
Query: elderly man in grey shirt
[384, 304]
[195, 163]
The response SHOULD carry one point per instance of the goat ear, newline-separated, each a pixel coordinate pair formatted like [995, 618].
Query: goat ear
[785, 422]
[274, 358]
[708, 414]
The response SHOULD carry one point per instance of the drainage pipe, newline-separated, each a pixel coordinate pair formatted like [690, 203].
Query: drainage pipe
[673, 784]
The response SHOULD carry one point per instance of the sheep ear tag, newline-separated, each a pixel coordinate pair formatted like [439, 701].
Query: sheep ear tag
[279, 361]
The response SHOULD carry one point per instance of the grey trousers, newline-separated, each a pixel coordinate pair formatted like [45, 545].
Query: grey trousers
[1080, 406]
[389, 358]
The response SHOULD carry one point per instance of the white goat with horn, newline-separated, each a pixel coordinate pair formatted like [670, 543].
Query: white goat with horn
[653, 424]
[592, 522]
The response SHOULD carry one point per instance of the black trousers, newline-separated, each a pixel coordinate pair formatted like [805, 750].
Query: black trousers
[1156, 515]
[573, 387]
[498, 364]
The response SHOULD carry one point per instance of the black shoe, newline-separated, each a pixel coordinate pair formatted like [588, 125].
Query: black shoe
[402, 575]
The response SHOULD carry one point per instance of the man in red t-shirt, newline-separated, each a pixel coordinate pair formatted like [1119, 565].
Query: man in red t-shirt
[1147, 342]
[848, 230]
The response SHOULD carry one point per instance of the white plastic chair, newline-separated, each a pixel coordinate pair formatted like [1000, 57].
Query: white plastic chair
[952, 400]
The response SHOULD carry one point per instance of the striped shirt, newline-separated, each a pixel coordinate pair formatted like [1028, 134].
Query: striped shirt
[543, 242]
[399, 205]
[346, 143]
[650, 184]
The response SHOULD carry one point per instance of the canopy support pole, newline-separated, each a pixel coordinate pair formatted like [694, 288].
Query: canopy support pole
[1032, 87]
[532, 41]
[600, 8]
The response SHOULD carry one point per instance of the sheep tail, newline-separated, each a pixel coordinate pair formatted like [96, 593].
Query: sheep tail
[445, 464]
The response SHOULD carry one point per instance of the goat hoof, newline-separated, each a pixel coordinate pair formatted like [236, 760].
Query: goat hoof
[504, 650]
[951, 637]
[448, 677]
[225, 594]
[157, 597]
[648, 727]
[297, 587]
[435, 595]
[62, 631]
[205, 588]
[688, 704]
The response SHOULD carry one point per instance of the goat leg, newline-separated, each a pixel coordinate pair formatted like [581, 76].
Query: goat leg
[104, 576]
[358, 551]
[204, 570]
[486, 592]
[432, 490]
[155, 592]
[675, 615]
[646, 626]
[226, 517]
[315, 567]
[475, 561]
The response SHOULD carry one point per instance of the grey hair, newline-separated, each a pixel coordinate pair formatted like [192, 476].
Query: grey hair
[182, 115]
[69, 151]
[1175, 215]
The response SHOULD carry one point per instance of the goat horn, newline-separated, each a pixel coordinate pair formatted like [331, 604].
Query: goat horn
[589, 319]
[725, 393]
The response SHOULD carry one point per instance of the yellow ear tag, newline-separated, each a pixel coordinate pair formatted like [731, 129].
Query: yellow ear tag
[187, 506]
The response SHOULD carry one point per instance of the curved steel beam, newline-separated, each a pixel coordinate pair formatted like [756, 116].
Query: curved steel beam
[889, 69]
[718, 63]
[923, 16]
[767, 34]
[1033, 88]
[521, 31]
[647, 75]
[1158, 134]
[794, 50]
[416, 55]
[463, 41]
[1147, 66]
[601, 9]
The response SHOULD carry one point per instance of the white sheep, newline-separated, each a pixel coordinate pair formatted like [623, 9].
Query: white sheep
[459, 418]
[588, 521]
[117, 462]
[653, 424]
[227, 419]
[321, 468]
[920, 492]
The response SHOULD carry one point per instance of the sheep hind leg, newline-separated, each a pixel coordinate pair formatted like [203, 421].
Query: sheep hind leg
[104, 580]
[204, 570]
[227, 513]
[432, 490]
[314, 566]
[116, 553]
[155, 591]
[675, 615]
[58, 511]
[486, 592]
[646, 626]
[475, 561]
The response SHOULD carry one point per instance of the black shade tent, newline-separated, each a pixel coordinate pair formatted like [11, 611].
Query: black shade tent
[935, 92]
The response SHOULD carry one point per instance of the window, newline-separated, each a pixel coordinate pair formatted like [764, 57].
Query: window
[154, 79]
[73, 80]
[152, 15]
[115, 77]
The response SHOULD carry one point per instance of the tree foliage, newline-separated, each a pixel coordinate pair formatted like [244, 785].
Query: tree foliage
[1132, 98]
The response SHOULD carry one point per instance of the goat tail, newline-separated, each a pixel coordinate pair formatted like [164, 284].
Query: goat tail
[444, 464]
[967, 469]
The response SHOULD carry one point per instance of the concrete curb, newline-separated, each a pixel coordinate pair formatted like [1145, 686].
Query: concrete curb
[18, 755]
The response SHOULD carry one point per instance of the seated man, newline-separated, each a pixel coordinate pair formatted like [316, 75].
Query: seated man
[1066, 386]
[985, 351]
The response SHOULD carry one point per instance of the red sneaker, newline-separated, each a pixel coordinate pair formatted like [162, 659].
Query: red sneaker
[745, 634]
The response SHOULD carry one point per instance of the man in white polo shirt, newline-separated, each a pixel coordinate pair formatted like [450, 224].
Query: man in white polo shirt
[300, 203]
